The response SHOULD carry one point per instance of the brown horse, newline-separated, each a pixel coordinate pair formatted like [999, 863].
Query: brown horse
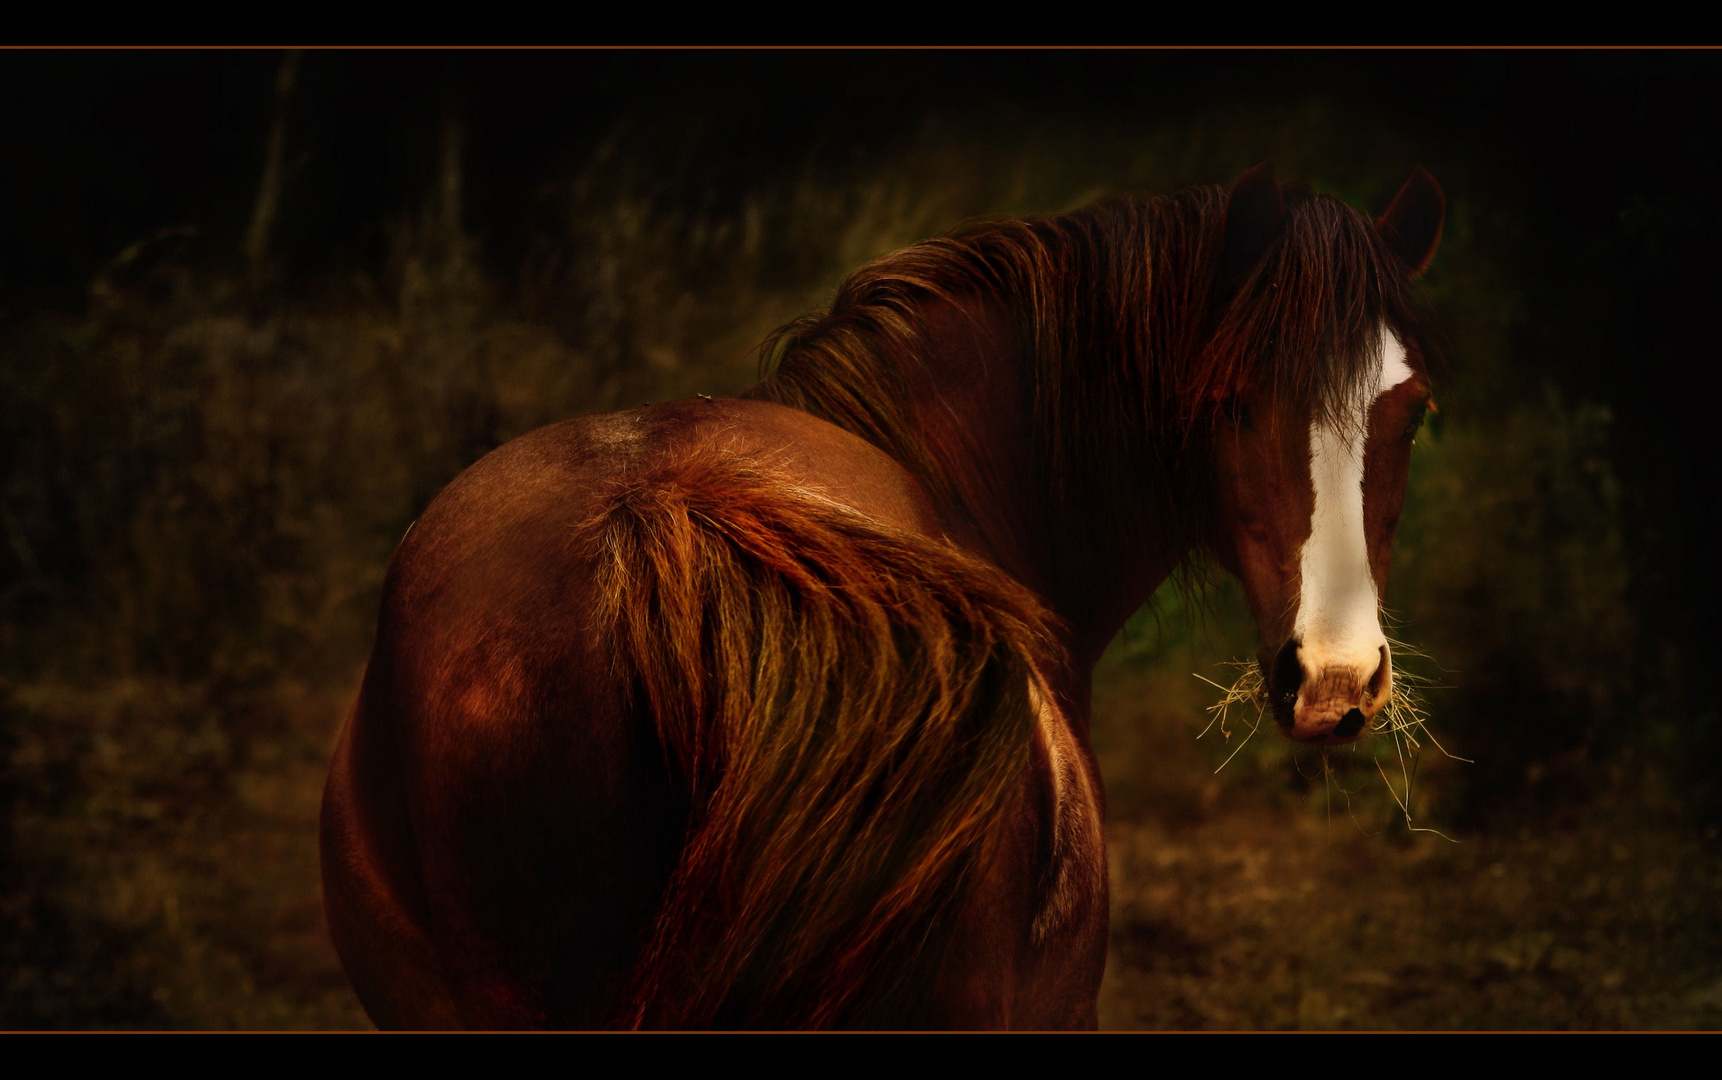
[773, 711]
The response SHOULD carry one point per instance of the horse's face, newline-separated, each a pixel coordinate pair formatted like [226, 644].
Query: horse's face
[1308, 502]
[1308, 507]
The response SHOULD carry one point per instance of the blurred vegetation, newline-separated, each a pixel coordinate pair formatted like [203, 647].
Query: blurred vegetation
[203, 473]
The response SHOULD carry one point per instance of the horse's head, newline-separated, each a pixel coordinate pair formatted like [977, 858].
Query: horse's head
[1322, 386]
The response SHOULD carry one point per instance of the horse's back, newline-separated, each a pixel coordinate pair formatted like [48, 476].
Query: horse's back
[503, 822]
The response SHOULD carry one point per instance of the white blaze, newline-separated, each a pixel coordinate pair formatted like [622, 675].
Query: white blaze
[1338, 620]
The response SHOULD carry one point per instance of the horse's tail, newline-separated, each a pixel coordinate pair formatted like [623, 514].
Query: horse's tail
[848, 706]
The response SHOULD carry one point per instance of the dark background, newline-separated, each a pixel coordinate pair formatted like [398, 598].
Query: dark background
[207, 453]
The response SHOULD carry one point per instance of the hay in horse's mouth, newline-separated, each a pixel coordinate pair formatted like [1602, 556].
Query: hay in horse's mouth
[1405, 719]
[1247, 688]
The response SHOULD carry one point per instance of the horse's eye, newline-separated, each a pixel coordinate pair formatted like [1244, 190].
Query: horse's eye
[1417, 418]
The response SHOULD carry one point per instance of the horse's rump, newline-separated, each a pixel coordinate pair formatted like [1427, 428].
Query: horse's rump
[848, 706]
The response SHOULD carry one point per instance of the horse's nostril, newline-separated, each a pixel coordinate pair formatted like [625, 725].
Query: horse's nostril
[1378, 681]
[1350, 724]
[1287, 675]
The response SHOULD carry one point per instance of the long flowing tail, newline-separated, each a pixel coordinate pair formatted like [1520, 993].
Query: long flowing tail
[848, 706]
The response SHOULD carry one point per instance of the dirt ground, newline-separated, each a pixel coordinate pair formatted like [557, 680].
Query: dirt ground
[163, 874]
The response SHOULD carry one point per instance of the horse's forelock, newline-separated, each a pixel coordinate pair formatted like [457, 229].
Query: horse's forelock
[1308, 323]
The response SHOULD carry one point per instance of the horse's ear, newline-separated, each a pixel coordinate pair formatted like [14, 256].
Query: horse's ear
[1412, 224]
[1255, 212]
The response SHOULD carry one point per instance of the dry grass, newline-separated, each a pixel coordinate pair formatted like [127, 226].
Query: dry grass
[1403, 724]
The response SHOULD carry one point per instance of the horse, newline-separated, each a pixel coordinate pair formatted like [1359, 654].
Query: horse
[773, 711]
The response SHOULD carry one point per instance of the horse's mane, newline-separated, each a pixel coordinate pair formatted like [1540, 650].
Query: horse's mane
[1129, 343]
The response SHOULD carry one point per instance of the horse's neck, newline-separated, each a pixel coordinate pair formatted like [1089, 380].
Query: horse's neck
[977, 415]
[972, 406]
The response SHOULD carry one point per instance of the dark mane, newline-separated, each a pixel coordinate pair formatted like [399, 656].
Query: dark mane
[1307, 319]
[1129, 349]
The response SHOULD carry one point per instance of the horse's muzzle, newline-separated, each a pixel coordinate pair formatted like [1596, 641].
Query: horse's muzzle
[1327, 696]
